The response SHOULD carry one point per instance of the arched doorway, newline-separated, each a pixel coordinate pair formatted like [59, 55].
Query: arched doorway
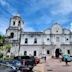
[58, 52]
[12, 35]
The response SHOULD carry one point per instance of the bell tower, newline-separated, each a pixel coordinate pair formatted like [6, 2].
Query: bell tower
[15, 28]
[16, 22]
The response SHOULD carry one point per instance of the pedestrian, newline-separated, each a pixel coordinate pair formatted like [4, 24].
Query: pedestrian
[45, 58]
[66, 61]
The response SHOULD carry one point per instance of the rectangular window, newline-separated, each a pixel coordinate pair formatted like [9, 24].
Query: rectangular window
[35, 40]
[57, 39]
[68, 51]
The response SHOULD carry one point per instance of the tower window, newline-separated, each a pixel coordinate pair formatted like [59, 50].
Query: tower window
[12, 35]
[26, 40]
[35, 40]
[13, 22]
[19, 23]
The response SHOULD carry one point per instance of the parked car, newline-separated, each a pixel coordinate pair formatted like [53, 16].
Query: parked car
[69, 58]
[2, 62]
[28, 62]
[15, 63]
[9, 65]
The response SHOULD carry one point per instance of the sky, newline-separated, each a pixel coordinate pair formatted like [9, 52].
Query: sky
[37, 15]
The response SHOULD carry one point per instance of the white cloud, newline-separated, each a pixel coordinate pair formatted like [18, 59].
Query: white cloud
[43, 20]
[3, 25]
[3, 2]
[8, 7]
[55, 7]
[64, 7]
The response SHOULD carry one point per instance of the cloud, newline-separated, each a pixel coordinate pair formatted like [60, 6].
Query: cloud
[3, 25]
[3, 29]
[39, 13]
[43, 20]
[64, 7]
[8, 7]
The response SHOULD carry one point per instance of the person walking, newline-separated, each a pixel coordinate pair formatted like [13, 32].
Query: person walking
[66, 61]
[65, 58]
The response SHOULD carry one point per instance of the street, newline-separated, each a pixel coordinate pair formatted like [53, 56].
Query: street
[4, 69]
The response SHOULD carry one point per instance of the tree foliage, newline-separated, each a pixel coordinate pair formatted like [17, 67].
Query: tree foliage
[8, 46]
[1, 39]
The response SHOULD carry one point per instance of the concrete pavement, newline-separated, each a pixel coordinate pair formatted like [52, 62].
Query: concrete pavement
[53, 65]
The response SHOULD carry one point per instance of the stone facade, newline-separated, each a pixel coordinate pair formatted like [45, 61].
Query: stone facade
[53, 41]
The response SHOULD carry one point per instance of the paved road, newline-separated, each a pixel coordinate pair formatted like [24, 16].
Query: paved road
[54, 65]
[4, 69]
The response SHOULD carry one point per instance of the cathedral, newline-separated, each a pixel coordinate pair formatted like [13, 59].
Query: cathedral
[50, 42]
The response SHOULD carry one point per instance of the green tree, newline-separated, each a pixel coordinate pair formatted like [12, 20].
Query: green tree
[8, 47]
[2, 40]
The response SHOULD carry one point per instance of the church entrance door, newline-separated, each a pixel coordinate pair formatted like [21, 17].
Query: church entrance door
[57, 52]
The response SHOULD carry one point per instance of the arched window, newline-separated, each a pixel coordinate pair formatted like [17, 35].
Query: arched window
[13, 22]
[47, 39]
[34, 53]
[19, 23]
[35, 40]
[12, 35]
[25, 53]
[26, 40]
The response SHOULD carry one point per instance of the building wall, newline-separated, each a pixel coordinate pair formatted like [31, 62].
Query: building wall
[49, 39]
[30, 50]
